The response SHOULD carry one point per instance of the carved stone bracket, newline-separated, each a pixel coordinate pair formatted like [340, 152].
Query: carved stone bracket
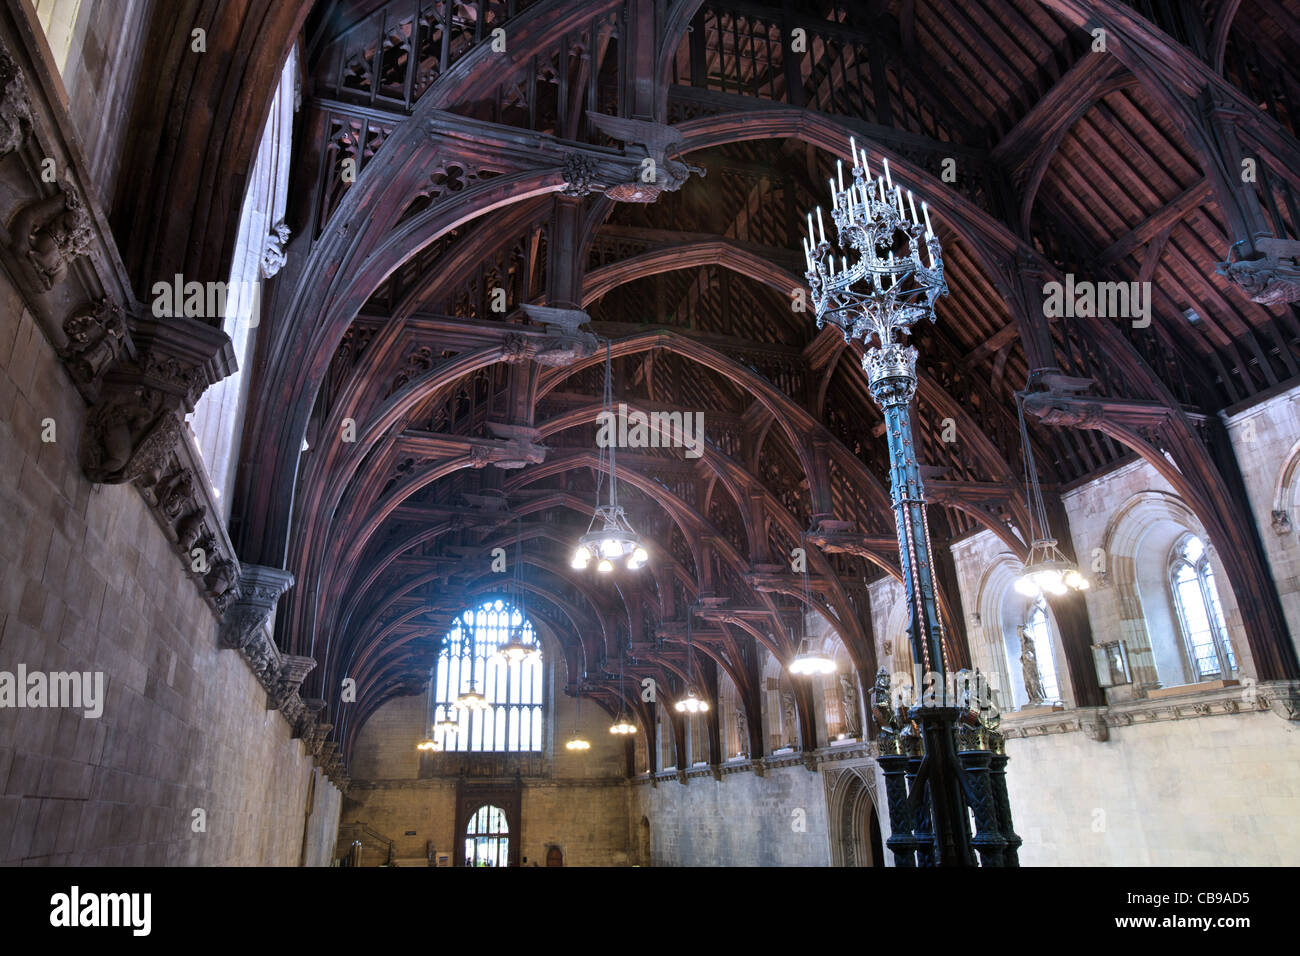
[137, 421]
[49, 233]
[97, 337]
[259, 592]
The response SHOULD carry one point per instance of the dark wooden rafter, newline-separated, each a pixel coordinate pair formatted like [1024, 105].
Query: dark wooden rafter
[364, 518]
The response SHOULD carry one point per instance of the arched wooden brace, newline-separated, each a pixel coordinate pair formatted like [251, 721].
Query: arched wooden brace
[331, 277]
[196, 122]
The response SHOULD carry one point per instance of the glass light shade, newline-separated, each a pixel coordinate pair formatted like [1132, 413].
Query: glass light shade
[578, 743]
[691, 703]
[810, 662]
[1047, 570]
[622, 726]
[448, 725]
[614, 540]
[517, 649]
[428, 745]
[471, 699]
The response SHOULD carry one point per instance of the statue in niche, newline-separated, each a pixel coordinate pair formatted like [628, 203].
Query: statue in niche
[742, 731]
[1029, 667]
[788, 733]
[849, 702]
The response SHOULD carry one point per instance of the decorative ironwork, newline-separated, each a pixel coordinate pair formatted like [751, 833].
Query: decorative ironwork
[937, 758]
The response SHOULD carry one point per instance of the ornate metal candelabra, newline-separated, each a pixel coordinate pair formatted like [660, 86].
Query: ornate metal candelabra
[938, 758]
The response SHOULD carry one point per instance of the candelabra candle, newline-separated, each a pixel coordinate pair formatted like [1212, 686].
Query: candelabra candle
[881, 284]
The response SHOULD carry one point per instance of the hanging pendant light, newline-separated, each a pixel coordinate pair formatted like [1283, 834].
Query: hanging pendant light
[622, 725]
[692, 703]
[471, 699]
[1046, 570]
[516, 649]
[807, 661]
[576, 741]
[610, 538]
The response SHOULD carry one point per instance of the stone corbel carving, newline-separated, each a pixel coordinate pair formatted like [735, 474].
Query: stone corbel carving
[307, 720]
[50, 233]
[96, 337]
[1281, 521]
[1281, 697]
[274, 255]
[317, 733]
[258, 593]
[1093, 724]
[293, 669]
[132, 430]
[15, 108]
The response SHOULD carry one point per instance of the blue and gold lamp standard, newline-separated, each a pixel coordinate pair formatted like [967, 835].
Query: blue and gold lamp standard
[882, 277]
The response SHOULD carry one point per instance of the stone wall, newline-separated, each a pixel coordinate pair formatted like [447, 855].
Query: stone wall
[104, 51]
[741, 820]
[577, 802]
[89, 582]
[1210, 791]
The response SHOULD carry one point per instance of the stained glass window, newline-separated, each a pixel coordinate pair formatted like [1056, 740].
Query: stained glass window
[513, 718]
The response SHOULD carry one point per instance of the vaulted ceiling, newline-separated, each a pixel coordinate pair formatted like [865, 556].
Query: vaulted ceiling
[477, 169]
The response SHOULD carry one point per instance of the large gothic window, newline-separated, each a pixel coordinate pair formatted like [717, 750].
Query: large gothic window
[513, 718]
[1201, 618]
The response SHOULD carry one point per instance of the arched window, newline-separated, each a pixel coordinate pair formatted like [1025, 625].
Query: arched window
[513, 718]
[1192, 581]
[487, 838]
[1037, 630]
